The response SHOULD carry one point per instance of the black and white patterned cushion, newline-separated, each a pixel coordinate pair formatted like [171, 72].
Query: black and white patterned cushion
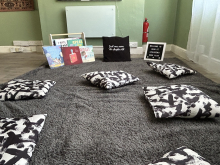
[184, 101]
[110, 79]
[20, 89]
[18, 138]
[170, 70]
[181, 156]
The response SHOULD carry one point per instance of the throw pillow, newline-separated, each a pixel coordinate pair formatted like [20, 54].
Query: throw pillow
[20, 89]
[18, 138]
[116, 49]
[110, 79]
[184, 101]
[170, 70]
[181, 156]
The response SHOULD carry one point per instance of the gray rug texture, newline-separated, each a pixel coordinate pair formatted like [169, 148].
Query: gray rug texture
[89, 125]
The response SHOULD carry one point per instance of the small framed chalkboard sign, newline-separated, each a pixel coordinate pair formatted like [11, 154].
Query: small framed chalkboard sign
[155, 51]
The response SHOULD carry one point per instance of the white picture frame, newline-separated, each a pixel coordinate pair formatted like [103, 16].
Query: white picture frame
[155, 51]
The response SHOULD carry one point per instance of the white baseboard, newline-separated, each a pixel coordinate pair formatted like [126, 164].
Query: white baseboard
[179, 51]
[28, 49]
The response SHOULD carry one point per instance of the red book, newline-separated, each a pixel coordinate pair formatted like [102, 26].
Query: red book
[71, 55]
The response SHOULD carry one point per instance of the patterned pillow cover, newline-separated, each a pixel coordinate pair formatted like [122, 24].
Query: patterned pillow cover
[184, 101]
[20, 89]
[18, 138]
[110, 79]
[170, 70]
[181, 156]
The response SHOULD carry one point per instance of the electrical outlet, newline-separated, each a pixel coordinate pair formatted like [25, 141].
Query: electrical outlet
[133, 44]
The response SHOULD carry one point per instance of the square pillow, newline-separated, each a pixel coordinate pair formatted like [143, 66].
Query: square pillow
[170, 70]
[116, 49]
[184, 101]
[181, 156]
[18, 138]
[19, 89]
[110, 79]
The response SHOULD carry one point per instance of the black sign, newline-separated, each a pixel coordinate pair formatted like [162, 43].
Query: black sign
[155, 51]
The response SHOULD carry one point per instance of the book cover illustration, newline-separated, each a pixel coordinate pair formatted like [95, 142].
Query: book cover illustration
[54, 56]
[71, 55]
[87, 53]
[63, 42]
[75, 42]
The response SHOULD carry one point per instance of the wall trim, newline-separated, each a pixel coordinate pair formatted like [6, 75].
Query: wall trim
[179, 51]
[26, 49]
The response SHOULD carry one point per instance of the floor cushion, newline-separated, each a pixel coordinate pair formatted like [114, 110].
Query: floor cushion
[181, 156]
[116, 49]
[183, 101]
[19, 89]
[110, 79]
[18, 138]
[170, 70]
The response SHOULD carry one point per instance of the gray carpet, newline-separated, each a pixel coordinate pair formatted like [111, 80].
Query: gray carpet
[89, 125]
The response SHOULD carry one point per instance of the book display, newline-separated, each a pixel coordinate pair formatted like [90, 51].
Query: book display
[68, 51]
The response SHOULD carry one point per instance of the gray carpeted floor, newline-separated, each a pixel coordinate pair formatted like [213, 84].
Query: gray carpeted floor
[89, 125]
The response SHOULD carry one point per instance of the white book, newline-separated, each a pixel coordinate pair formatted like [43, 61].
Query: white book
[63, 42]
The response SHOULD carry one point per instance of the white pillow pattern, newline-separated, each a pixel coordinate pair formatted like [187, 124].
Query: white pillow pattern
[110, 79]
[170, 70]
[184, 101]
[181, 156]
[18, 138]
[19, 89]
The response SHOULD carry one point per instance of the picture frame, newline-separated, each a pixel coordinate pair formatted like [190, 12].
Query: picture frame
[155, 51]
[15, 5]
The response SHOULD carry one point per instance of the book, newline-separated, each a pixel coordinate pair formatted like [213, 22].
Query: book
[75, 42]
[63, 42]
[87, 53]
[71, 55]
[54, 56]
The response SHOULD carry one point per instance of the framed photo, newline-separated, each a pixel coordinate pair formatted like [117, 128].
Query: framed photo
[155, 51]
[16, 5]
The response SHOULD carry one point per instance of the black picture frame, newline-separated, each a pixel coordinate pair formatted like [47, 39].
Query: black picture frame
[155, 51]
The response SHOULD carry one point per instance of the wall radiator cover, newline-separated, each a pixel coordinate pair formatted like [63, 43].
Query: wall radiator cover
[94, 21]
